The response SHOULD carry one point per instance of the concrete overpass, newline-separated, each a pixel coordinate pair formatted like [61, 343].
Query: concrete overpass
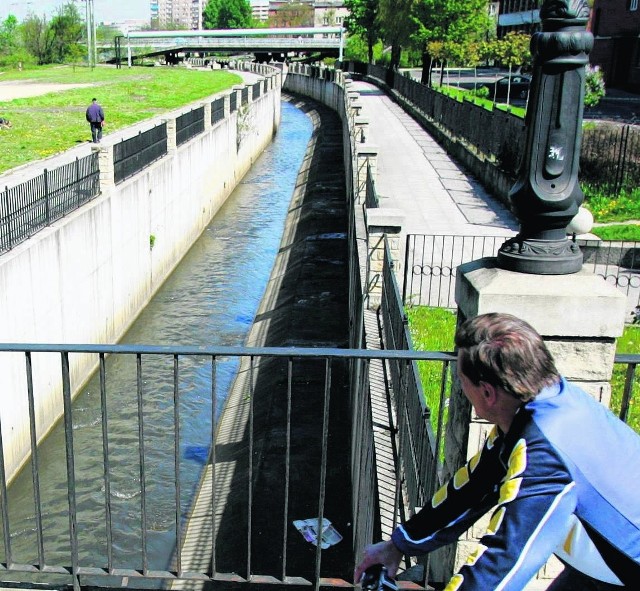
[326, 40]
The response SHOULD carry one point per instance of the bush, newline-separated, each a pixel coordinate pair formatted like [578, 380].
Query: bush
[594, 86]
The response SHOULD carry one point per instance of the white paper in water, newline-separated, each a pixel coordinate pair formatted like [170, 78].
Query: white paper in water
[309, 530]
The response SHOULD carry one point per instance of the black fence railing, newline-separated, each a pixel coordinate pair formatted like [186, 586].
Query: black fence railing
[217, 110]
[130, 156]
[233, 102]
[112, 502]
[256, 90]
[431, 263]
[610, 157]
[244, 96]
[371, 195]
[30, 206]
[189, 125]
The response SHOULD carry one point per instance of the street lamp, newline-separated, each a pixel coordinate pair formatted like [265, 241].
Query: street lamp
[546, 196]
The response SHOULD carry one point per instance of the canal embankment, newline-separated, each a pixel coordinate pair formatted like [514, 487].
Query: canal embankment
[87, 276]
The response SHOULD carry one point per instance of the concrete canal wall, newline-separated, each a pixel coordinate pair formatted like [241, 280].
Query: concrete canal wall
[85, 278]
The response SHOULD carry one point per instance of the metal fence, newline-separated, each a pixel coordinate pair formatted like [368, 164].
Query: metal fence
[117, 493]
[431, 263]
[244, 96]
[610, 157]
[217, 110]
[189, 125]
[257, 90]
[418, 446]
[130, 156]
[30, 206]
[233, 102]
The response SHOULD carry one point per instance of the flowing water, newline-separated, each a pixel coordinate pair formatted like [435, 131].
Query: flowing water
[210, 299]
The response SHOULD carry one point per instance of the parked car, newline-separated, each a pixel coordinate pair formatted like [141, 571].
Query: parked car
[519, 87]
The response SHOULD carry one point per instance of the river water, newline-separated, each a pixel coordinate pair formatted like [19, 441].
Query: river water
[209, 299]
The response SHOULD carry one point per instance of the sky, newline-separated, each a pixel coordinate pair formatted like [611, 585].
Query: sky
[103, 10]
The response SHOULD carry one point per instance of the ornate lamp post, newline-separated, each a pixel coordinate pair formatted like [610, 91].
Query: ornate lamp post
[547, 195]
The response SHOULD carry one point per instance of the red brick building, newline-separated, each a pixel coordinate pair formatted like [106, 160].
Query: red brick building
[615, 25]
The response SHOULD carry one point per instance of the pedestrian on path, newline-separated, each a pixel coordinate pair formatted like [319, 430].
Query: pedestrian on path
[559, 470]
[95, 117]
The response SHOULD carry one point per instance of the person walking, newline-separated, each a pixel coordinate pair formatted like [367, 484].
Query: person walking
[559, 472]
[95, 117]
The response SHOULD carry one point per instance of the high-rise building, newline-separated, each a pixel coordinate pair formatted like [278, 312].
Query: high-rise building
[177, 13]
[518, 15]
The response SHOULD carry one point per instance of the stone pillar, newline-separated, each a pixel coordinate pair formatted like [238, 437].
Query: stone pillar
[578, 315]
[172, 145]
[105, 165]
[380, 222]
[365, 153]
[207, 114]
[362, 130]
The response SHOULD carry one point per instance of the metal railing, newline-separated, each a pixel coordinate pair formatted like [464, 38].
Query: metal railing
[136, 409]
[418, 446]
[371, 195]
[217, 110]
[610, 157]
[257, 88]
[30, 206]
[189, 125]
[132, 155]
[431, 263]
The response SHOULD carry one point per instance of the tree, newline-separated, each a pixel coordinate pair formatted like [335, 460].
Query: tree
[9, 39]
[38, 38]
[397, 25]
[513, 50]
[227, 14]
[449, 21]
[66, 29]
[363, 21]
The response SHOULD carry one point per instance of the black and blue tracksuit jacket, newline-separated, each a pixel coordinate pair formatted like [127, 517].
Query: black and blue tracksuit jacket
[565, 479]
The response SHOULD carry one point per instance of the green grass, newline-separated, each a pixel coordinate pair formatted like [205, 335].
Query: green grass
[433, 329]
[606, 208]
[54, 122]
[624, 232]
[461, 94]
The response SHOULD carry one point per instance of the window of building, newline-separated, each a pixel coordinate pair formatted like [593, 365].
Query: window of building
[633, 5]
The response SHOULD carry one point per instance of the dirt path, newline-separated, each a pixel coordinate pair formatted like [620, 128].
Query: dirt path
[14, 89]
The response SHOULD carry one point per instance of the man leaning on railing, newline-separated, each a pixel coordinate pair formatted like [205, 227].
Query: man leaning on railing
[559, 469]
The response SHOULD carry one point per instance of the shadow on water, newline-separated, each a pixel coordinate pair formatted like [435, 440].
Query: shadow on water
[306, 305]
[210, 299]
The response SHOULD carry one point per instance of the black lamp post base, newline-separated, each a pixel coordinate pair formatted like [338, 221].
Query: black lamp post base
[540, 257]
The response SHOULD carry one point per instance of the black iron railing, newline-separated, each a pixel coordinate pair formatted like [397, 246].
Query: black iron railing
[130, 156]
[257, 90]
[136, 408]
[244, 96]
[30, 206]
[217, 110]
[189, 125]
[233, 102]
[431, 262]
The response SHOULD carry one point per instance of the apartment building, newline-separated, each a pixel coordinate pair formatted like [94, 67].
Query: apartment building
[615, 25]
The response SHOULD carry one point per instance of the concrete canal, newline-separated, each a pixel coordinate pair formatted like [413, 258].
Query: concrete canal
[210, 299]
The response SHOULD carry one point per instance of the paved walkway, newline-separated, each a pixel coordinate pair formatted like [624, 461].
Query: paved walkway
[417, 176]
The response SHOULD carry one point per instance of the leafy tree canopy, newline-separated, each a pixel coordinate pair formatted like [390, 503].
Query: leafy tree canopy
[363, 22]
[227, 14]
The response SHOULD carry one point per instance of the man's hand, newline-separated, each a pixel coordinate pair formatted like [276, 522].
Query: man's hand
[384, 553]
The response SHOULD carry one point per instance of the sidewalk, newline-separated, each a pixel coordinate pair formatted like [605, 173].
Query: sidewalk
[416, 176]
